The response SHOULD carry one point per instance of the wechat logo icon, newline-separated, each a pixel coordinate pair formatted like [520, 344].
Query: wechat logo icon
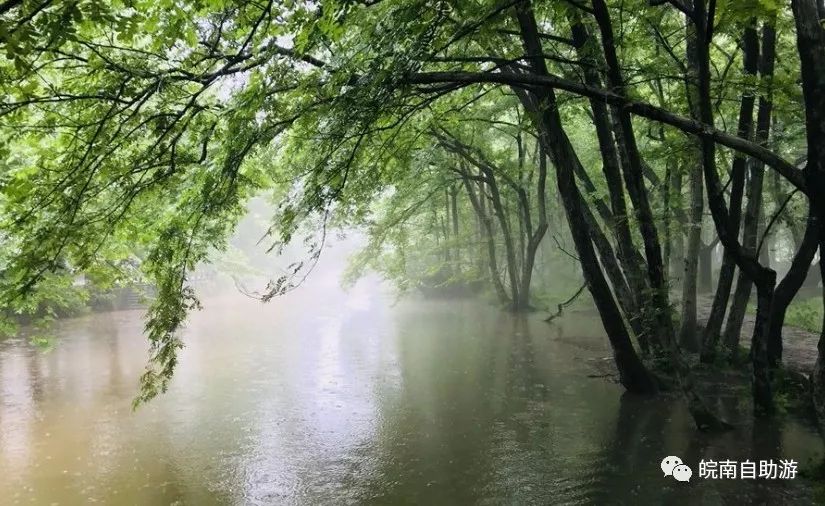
[673, 466]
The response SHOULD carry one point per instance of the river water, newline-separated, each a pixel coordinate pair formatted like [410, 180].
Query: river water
[325, 397]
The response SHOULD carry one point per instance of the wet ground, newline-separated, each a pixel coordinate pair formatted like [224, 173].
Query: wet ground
[799, 345]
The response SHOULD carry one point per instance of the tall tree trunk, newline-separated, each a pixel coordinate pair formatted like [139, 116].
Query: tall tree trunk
[753, 211]
[489, 178]
[810, 39]
[633, 173]
[667, 222]
[629, 256]
[606, 255]
[632, 373]
[677, 256]
[704, 278]
[687, 331]
[766, 251]
[448, 244]
[744, 129]
[504, 225]
[478, 204]
[612, 268]
[634, 181]
[538, 234]
[818, 374]
[811, 46]
[764, 278]
[454, 213]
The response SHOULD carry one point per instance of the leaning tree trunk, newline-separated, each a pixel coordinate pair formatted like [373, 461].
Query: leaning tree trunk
[606, 255]
[633, 172]
[634, 181]
[632, 373]
[629, 256]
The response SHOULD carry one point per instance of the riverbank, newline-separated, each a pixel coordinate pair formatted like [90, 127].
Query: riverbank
[799, 345]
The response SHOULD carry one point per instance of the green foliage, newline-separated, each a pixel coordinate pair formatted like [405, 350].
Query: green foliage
[134, 133]
[805, 314]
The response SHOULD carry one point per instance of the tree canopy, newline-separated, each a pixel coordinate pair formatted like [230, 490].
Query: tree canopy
[460, 135]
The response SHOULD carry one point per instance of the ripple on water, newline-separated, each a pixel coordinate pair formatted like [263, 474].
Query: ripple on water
[429, 402]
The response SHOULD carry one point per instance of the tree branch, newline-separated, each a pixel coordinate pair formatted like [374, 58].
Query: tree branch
[643, 109]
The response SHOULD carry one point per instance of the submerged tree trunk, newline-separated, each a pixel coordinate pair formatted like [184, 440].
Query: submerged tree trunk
[536, 235]
[633, 172]
[629, 256]
[634, 181]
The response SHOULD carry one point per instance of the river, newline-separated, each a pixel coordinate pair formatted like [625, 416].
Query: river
[326, 397]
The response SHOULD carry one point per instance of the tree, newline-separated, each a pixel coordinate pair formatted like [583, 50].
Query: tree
[339, 105]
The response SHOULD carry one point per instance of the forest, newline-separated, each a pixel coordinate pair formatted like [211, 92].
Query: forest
[660, 161]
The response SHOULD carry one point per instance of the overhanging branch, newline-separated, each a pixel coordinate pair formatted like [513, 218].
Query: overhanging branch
[643, 109]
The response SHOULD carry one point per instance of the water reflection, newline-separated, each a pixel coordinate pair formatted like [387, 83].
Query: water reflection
[330, 398]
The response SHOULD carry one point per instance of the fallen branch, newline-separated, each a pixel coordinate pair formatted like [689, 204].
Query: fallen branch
[565, 304]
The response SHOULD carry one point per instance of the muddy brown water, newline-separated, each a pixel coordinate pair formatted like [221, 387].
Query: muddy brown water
[331, 398]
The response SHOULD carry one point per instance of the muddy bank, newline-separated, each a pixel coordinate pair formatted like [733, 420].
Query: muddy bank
[799, 346]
